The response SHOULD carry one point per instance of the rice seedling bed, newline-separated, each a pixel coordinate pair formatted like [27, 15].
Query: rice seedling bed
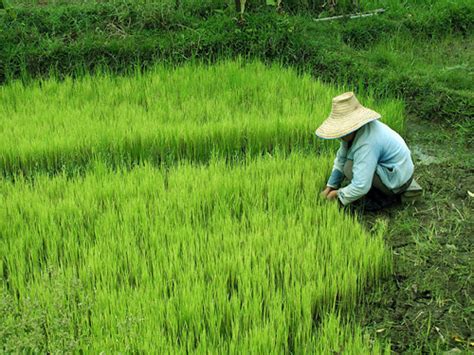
[231, 110]
[165, 253]
[212, 258]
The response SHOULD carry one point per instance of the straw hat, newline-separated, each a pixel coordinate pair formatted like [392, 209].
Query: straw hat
[347, 115]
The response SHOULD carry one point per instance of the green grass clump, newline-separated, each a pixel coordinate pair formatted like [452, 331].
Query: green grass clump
[214, 258]
[163, 253]
[78, 38]
[201, 6]
[230, 110]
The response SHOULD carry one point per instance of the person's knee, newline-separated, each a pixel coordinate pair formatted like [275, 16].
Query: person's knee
[378, 184]
[348, 169]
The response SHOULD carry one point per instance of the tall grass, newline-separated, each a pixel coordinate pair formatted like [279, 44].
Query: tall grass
[299, 6]
[231, 110]
[216, 258]
[181, 257]
[312, 6]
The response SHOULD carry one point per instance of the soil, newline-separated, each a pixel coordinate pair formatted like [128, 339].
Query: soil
[426, 305]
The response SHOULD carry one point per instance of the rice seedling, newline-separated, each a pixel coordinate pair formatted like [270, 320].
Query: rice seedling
[163, 253]
[192, 112]
[192, 258]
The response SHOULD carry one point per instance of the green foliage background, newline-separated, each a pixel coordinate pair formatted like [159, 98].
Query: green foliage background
[80, 37]
[399, 53]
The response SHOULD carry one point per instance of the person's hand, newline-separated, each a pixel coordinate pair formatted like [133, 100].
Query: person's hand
[326, 191]
[332, 195]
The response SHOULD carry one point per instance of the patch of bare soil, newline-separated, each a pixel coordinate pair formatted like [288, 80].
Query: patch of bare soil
[426, 305]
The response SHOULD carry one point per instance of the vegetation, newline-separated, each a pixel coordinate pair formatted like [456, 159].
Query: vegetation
[176, 207]
[425, 307]
[70, 40]
[212, 258]
[194, 112]
[240, 6]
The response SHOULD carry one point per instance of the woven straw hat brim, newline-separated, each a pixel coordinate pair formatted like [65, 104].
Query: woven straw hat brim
[333, 127]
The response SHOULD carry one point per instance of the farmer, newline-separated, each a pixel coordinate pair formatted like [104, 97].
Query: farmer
[372, 156]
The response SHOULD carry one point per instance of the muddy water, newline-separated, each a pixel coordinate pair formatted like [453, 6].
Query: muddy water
[422, 157]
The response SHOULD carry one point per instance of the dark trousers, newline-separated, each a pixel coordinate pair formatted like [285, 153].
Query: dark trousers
[376, 182]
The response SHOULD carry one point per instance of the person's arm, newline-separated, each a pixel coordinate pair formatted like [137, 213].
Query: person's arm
[337, 174]
[363, 170]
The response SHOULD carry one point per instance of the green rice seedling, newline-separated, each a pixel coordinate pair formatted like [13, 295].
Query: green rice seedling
[185, 258]
[233, 109]
[214, 258]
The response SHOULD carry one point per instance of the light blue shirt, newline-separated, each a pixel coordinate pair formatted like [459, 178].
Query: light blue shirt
[376, 148]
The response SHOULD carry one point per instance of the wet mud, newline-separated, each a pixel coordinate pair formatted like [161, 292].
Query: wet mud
[426, 305]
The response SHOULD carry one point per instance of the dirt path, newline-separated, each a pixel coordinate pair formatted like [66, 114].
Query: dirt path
[427, 306]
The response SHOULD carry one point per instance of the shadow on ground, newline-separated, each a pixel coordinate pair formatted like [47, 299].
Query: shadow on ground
[426, 305]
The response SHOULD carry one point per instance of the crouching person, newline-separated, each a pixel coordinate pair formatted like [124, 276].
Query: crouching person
[374, 158]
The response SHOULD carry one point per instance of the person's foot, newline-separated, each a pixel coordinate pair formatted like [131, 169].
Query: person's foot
[413, 193]
[375, 200]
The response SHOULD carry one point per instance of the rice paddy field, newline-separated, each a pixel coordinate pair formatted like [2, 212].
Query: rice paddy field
[177, 210]
[228, 110]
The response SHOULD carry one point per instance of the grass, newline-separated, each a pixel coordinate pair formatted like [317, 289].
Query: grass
[312, 6]
[213, 258]
[426, 306]
[230, 110]
[449, 61]
[73, 39]
[394, 54]
[235, 255]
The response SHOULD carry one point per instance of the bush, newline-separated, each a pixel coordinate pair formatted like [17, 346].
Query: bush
[69, 40]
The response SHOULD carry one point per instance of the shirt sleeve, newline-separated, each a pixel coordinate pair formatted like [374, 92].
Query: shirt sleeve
[337, 174]
[363, 170]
